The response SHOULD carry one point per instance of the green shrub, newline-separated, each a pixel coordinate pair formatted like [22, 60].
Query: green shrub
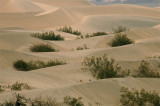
[20, 86]
[48, 36]
[73, 101]
[42, 48]
[102, 67]
[32, 65]
[139, 98]
[69, 30]
[144, 70]
[120, 40]
[120, 29]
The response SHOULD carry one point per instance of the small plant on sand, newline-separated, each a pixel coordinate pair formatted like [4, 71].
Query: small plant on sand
[144, 70]
[20, 86]
[83, 47]
[1, 89]
[20, 100]
[73, 101]
[69, 30]
[139, 98]
[120, 40]
[41, 47]
[102, 67]
[47, 36]
[99, 34]
[120, 29]
[32, 65]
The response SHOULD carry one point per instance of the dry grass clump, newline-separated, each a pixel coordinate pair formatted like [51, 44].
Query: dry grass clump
[22, 65]
[41, 47]
[120, 29]
[20, 100]
[73, 101]
[47, 36]
[139, 97]
[120, 40]
[83, 47]
[69, 29]
[20, 86]
[1, 89]
[144, 70]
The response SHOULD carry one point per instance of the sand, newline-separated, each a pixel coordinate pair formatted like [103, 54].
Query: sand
[20, 18]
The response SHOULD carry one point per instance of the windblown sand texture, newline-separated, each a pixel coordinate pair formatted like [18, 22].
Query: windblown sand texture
[20, 18]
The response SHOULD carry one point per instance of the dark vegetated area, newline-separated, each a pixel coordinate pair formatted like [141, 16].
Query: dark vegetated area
[42, 47]
[120, 40]
[48, 36]
[69, 29]
[22, 65]
[139, 97]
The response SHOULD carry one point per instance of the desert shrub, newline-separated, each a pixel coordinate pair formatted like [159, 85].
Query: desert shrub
[144, 70]
[69, 30]
[48, 36]
[120, 29]
[139, 98]
[73, 101]
[45, 102]
[1, 89]
[20, 100]
[99, 33]
[41, 47]
[120, 40]
[83, 47]
[32, 65]
[20, 65]
[20, 86]
[102, 67]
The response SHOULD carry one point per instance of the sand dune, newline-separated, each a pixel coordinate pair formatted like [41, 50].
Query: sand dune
[20, 18]
[18, 6]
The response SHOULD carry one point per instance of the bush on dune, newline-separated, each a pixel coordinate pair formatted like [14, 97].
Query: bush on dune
[144, 70]
[120, 29]
[139, 98]
[69, 30]
[48, 36]
[41, 47]
[102, 67]
[20, 86]
[32, 65]
[120, 40]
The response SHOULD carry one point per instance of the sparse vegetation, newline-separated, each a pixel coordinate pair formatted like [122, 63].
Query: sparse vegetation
[120, 40]
[73, 101]
[69, 30]
[1, 89]
[32, 65]
[139, 98]
[144, 70]
[92, 35]
[120, 29]
[83, 47]
[102, 67]
[20, 86]
[41, 47]
[95, 34]
[48, 36]
[20, 100]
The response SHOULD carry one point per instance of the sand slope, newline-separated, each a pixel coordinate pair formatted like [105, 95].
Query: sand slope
[20, 18]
